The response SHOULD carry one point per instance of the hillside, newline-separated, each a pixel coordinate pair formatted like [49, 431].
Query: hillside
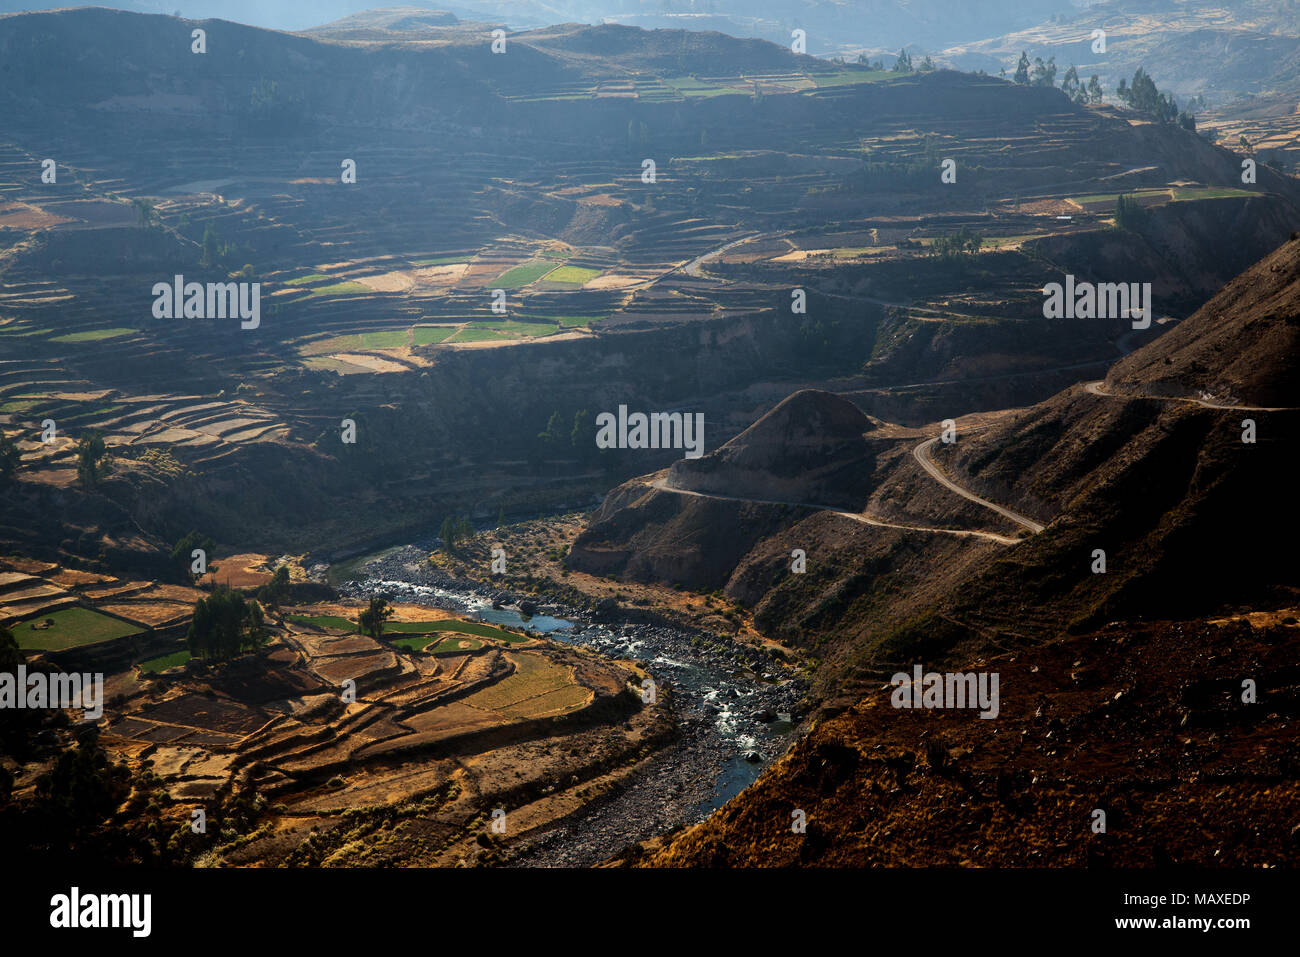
[1123, 688]
[1240, 348]
[1144, 723]
[1157, 483]
[810, 448]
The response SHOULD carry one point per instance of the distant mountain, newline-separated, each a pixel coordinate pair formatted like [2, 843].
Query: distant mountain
[388, 23]
[832, 26]
[1219, 49]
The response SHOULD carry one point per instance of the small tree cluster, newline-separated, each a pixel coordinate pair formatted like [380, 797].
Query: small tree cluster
[1143, 97]
[1073, 87]
[10, 460]
[371, 621]
[1128, 212]
[183, 551]
[224, 625]
[453, 531]
[277, 589]
[964, 242]
[90, 452]
[559, 440]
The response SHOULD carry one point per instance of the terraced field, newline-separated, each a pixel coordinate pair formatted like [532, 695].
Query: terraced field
[70, 628]
[84, 608]
[415, 627]
[417, 723]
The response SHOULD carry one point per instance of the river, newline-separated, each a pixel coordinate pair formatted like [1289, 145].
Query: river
[725, 695]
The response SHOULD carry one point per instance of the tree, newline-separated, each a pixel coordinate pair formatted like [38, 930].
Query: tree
[1044, 73]
[465, 529]
[16, 724]
[371, 621]
[1071, 87]
[927, 65]
[1128, 212]
[224, 624]
[1094, 89]
[553, 436]
[447, 532]
[83, 787]
[1143, 96]
[581, 436]
[145, 211]
[1022, 70]
[904, 62]
[211, 250]
[10, 460]
[964, 243]
[182, 554]
[90, 450]
[501, 517]
[277, 589]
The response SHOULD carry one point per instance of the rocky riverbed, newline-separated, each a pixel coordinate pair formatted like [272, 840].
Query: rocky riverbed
[736, 704]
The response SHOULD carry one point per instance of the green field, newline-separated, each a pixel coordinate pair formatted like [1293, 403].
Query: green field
[565, 321]
[155, 665]
[386, 339]
[514, 327]
[842, 77]
[1111, 197]
[436, 645]
[314, 277]
[1183, 193]
[72, 628]
[428, 335]
[524, 274]
[574, 275]
[94, 335]
[477, 335]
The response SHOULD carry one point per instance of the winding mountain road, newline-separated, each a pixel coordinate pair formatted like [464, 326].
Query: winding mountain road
[922, 451]
[862, 517]
[1095, 388]
[922, 454]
